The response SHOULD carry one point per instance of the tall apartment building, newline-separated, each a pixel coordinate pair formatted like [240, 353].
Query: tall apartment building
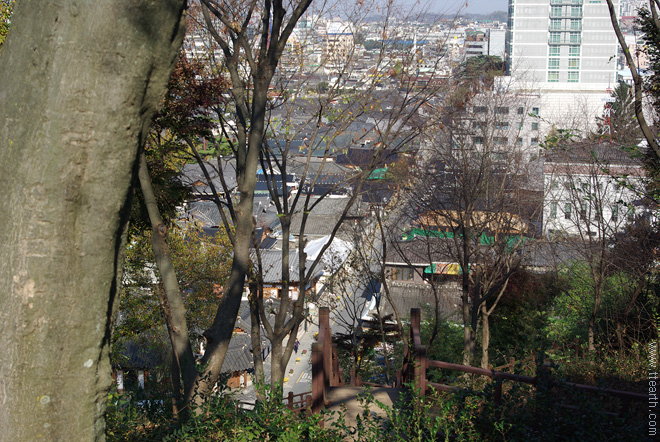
[567, 50]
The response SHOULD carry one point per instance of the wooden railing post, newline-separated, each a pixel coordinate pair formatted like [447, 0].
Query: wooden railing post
[325, 339]
[420, 369]
[418, 358]
[324, 320]
[337, 378]
[290, 400]
[415, 321]
[318, 375]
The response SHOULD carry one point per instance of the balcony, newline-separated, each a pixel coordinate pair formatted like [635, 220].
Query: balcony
[565, 14]
[565, 40]
[566, 2]
[571, 28]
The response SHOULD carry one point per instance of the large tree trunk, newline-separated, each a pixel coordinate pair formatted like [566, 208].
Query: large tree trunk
[79, 87]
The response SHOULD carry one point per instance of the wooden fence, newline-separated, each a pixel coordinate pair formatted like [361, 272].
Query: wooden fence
[326, 372]
[415, 365]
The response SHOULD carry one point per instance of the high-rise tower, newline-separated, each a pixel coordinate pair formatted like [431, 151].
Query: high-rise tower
[562, 41]
[562, 48]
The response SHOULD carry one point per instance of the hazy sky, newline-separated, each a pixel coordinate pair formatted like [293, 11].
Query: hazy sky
[474, 6]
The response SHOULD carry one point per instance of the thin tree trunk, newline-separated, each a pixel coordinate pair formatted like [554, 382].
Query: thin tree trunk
[486, 312]
[468, 332]
[592, 319]
[485, 336]
[174, 308]
[175, 367]
[80, 83]
[255, 336]
[385, 284]
[175, 375]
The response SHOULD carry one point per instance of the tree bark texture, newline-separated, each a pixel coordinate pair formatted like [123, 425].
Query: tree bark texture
[79, 85]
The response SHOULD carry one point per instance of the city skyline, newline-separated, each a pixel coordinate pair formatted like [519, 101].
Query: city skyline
[472, 6]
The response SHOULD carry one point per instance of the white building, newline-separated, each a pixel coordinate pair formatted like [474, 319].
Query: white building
[497, 43]
[567, 50]
[591, 190]
[339, 44]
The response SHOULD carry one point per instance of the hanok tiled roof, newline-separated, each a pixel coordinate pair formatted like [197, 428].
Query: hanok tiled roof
[271, 261]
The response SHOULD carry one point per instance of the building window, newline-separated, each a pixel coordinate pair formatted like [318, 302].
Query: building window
[519, 142]
[535, 111]
[573, 77]
[583, 210]
[615, 213]
[502, 110]
[535, 126]
[478, 140]
[521, 110]
[576, 24]
[567, 211]
[403, 274]
[535, 141]
[598, 214]
[480, 109]
[574, 51]
[502, 125]
[574, 37]
[574, 63]
[555, 24]
[553, 76]
[576, 11]
[555, 38]
[553, 210]
[630, 215]
[553, 63]
[553, 51]
[555, 11]
[500, 140]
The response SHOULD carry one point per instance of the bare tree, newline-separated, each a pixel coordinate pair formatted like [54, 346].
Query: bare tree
[252, 37]
[590, 193]
[477, 206]
[296, 109]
